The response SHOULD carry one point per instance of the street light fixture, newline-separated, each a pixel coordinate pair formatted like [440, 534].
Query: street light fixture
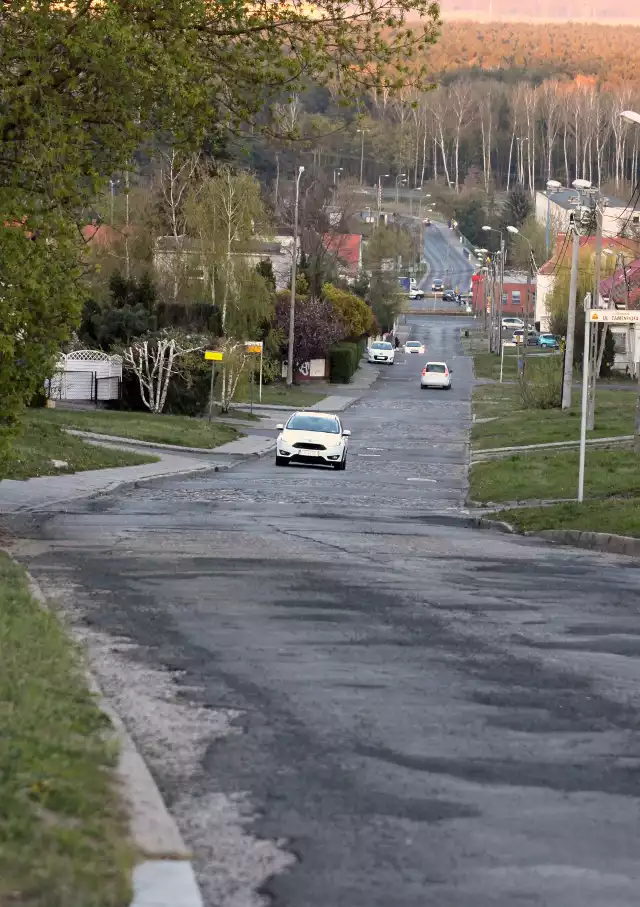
[294, 263]
[553, 186]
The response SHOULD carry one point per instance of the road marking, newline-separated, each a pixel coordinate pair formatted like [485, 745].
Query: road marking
[421, 480]
[368, 455]
[374, 448]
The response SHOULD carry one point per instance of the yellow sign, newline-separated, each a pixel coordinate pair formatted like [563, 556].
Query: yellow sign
[253, 348]
[213, 355]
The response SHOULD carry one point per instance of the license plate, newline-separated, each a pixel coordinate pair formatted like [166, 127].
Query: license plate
[380, 358]
[308, 453]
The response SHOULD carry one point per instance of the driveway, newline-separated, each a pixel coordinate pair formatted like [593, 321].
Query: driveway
[349, 697]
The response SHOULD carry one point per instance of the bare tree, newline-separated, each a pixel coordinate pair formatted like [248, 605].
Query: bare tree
[462, 105]
[175, 182]
[154, 362]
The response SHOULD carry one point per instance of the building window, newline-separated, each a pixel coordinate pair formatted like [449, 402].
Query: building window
[515, 297]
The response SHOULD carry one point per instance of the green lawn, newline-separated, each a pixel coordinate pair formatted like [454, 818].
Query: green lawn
[63, 832]
[550, 476]
[164, 429]
[42, 441]
[487, 365]
[615, 415]
[284, 396]
[619, 516]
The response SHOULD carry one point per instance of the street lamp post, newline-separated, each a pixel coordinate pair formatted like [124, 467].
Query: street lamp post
[489, 229]
[401, 177]
[525, 337]
[362, 132]
[380, 178]
[632, 117]
[294, 264]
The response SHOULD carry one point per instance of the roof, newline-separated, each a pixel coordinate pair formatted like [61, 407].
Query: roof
[569, 198]
[345, 246]
[561, 257]
[101, 235]
[624, 285]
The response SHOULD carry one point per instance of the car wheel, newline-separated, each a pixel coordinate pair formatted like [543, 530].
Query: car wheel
[342, 464]
[448, 387]
[281, 461]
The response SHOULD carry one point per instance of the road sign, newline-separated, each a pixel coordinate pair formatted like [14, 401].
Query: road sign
[213, 355]
[615, 316]
[253, 347]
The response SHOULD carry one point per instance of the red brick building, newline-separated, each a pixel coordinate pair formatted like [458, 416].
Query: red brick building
[514, 297]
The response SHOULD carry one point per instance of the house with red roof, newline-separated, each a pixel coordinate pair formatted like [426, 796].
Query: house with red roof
[347, 249]
[561, 261]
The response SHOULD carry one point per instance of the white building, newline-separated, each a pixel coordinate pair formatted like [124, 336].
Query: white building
[554, 209]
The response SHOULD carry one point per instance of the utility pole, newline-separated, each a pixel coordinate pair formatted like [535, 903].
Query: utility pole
[362, 132]
[294, 265]
[525, 335]
[585, 396]
[593, 346]
[502, 254]
[571, 322]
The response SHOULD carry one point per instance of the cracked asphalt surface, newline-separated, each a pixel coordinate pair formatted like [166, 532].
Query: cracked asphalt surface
[416, 713]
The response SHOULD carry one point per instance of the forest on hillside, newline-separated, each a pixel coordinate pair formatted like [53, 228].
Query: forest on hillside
[610, 54]
[508, 104]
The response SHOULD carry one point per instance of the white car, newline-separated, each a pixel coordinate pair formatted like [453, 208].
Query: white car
[416, 294]
[309, 437]
[436, 374]
[414, 346]
[512, 324]
[381, 351]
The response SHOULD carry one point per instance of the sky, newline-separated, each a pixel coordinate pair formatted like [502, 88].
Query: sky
[609, 11]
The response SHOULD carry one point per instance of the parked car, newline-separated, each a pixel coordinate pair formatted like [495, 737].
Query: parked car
[381, 351]
[416, 294]
[548, 341]
[513, 324]
[448, 296]
[532, 336]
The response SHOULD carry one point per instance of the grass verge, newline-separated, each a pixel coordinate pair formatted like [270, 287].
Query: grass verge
[487, 365]
[616, 515]
[163, 429]
[549, 476]
[63, 832]
[42, 442]
[276, 394]
[512, 425]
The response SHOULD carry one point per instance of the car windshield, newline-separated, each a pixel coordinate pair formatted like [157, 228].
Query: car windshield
[380, 345]
[436, 367]
[413, 343]
[304, 422]
[437, 283]
[547, 337]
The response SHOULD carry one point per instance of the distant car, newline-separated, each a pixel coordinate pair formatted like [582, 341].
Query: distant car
[426, 222]
[532, 336]
[448, 296]
[414, 293]
[514, 324]
[414, 346]
[312, 438]
[381, 351]
[548, 341]
[437, 285]
[436, 374]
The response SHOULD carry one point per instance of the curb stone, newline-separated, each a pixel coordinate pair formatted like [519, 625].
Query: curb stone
[166, 877]
[596, 541]
[132, 442]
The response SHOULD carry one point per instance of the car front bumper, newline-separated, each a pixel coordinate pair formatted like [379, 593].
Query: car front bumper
[296, 455]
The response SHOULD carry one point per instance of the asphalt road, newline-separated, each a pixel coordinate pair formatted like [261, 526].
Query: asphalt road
[447, 261]
[350, 697]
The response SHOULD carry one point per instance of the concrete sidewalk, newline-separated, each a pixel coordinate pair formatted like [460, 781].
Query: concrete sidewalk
[45, 492]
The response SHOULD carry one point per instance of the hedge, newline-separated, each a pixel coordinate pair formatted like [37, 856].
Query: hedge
[344, 359]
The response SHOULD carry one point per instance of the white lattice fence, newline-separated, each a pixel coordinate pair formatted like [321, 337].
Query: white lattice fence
[86, 375]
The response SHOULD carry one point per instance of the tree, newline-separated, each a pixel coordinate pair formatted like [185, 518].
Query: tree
[154, 361]
[316, 327]
[517, 208]
[41, 294]
[559, 303]
[355, 315]
[471, 215]
[130, 312]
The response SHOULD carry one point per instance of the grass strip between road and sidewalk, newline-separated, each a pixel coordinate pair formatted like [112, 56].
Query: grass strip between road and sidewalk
[41, 442]
[159, 429]
[276, 394]
[553, 476]
[512, 425]
[64, 836]
[615, 515]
